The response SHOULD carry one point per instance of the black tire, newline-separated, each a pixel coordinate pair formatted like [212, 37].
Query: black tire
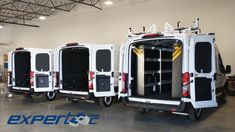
[50, 96]
[194, 114]
[105, 101]
[28, 96]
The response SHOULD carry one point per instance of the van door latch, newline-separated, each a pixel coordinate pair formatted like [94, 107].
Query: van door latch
[215, 76]
[112, 74]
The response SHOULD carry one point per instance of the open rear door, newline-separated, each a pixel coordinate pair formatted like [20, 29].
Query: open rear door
[103, 70]
[202, 70]
[42, 70]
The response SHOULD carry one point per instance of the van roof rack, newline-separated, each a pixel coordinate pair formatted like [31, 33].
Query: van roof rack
[152, 30]
[193, 29]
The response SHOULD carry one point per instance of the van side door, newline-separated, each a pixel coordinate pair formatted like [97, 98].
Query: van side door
[103, 70]
[42, 70]
[202, 69]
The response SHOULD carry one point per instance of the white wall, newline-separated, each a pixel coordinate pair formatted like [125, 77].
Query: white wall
[110, 25]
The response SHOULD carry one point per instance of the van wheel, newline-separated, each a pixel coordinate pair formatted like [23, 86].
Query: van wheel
[105, 101]
[194, 114]
[50, 96]
[28, 96]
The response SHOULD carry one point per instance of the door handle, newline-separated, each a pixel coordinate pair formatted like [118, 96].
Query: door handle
[112, 74]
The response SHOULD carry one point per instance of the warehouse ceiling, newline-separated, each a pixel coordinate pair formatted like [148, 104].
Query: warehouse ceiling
[21, 12]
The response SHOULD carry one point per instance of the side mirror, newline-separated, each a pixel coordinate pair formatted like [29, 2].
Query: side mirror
[228, 69]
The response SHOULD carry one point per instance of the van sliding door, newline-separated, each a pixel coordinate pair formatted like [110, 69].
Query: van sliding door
[42, 70]
[202, 69]
[103, 70]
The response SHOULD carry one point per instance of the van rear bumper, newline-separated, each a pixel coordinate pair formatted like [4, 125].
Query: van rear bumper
[162, 107]
[21, 91]
[75, 96]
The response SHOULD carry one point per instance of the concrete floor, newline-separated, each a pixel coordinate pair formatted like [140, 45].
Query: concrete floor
[117, 118]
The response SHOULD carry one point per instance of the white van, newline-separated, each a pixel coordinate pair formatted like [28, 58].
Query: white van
[30, 72]
[87, 72]
[179, 70]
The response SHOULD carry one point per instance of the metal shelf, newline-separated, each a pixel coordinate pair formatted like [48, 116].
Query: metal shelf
[157, 60]
[157, 71]
[163, 82]
[157, 48]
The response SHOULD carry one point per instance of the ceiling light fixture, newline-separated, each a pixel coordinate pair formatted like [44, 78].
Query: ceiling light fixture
[1, 26]
[42, 17]
[108, 2]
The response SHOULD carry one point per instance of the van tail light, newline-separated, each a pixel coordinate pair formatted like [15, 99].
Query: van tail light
[90, 85]
[124, 82]
[186, 85]
[56, 79]
[31, 79]
[9, 77]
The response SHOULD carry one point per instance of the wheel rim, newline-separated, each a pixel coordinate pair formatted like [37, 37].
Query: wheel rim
[108, 100]
[50, 95]
[198, 112]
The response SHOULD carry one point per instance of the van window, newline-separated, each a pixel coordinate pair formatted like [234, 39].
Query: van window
[221, 65]
[203, 57]
[42, 62]
[103, 60]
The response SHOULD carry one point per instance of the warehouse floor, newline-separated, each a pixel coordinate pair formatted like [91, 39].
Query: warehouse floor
[115, 119]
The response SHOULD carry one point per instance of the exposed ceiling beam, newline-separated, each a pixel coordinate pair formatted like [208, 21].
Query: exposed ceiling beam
[23, 18]
[22, 24]
[88, 4]
[23, 11]
[46, 6]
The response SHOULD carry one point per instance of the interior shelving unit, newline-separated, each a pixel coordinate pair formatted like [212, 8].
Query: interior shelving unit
[152, 69]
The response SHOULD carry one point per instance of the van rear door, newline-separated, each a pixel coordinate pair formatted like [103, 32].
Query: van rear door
[42, 70]
[103, 70]
[202, 71]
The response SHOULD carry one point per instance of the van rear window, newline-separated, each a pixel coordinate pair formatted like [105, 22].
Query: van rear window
[103, 60]
[42, 62]
[203, 57]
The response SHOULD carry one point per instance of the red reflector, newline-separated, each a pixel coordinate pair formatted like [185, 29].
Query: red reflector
[128, 105]
[173, 109]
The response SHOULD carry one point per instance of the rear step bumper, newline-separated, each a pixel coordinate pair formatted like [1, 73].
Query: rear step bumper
[17, 91]
[76, 96]
[162, 107]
